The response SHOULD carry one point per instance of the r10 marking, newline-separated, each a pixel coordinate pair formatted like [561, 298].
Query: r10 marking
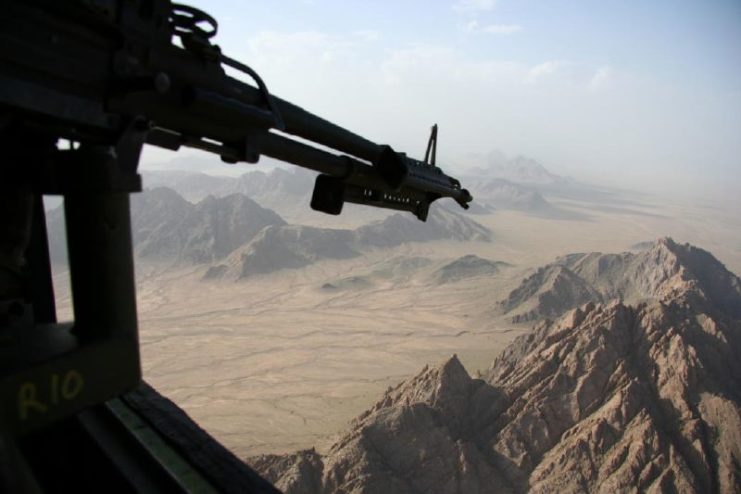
[61, 388]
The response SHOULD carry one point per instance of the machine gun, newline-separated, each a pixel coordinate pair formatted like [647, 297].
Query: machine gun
[107, 77]
[108, 73]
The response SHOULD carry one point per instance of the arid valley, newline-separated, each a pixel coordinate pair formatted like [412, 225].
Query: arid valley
[274, 349]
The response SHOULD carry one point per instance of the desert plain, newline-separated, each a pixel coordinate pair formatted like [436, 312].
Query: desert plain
[279, 362]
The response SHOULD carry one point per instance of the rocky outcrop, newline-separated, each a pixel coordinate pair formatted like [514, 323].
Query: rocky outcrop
[468, 266]
[607, 398]
[399, 269]
[298, 473]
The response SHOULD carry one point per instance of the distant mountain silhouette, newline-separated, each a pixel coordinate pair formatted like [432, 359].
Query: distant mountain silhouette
[519, 170]
[240, 238]
[192, 186]
[503, 194]
[169, 227]
[283, 191]
[166, 227]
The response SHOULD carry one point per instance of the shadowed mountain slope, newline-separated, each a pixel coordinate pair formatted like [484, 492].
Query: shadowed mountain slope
[291, 247]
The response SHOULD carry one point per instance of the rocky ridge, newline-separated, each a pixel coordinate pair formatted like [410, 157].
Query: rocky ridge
[291, 246]
[267, 188]
[632, 277]
[166, 227]
[239, 238]
[608, 398]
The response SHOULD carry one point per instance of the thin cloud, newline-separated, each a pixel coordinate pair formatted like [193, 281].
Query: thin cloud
[544, 69]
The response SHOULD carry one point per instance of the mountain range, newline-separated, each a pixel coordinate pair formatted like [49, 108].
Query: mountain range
[499, 183]
[167, 227]
[519, 169]
[641, 392]
[239, 238]
[293, 246]
[267, 188]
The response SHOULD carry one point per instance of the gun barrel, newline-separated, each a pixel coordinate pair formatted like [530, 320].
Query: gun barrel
[305, 124]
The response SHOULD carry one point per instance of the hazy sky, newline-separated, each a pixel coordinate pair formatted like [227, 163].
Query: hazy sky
[622, 91]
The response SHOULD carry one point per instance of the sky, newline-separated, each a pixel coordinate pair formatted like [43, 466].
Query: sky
[632, 93]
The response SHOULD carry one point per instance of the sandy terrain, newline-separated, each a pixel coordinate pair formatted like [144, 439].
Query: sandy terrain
[279, 363]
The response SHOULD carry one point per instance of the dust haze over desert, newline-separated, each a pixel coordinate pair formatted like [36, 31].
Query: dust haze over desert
[577, 329]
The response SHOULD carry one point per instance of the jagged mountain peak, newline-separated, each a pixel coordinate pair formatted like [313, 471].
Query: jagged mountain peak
[438, 386]
[519, 168]
[165, 226]
[699, 274]
[300, 472]
[161, 193]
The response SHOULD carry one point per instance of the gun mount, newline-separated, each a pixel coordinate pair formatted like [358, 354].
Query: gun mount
[109, 76]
